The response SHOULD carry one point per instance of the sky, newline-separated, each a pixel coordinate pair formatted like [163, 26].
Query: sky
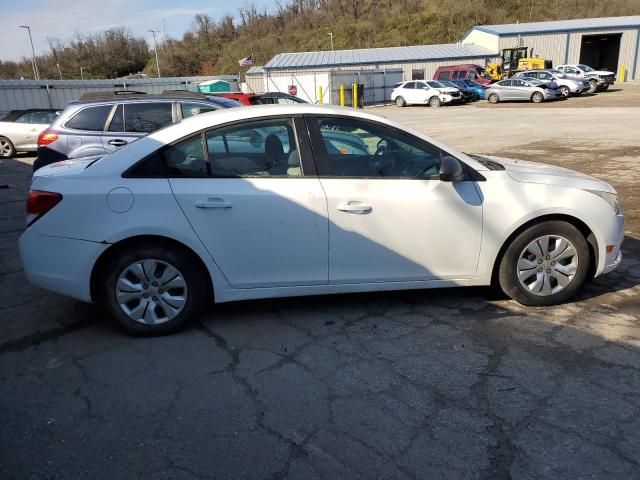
[61, 19]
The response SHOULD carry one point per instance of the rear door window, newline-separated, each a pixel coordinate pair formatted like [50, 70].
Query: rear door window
[91, 118]
[444, 75]
[147, 117]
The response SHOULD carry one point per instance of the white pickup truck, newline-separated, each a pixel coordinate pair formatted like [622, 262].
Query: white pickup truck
[599, 79]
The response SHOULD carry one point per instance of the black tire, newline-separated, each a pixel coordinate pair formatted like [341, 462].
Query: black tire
[605, 88]
[537, 97]
[565, 91]
[593, 85]
[474, 96]
[7, 150]
[508, 275]
[435, 101]
[400, 102]
[493, 98]
[184, 262]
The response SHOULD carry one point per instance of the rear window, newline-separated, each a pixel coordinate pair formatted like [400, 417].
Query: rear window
[147, 117]
[90, 118]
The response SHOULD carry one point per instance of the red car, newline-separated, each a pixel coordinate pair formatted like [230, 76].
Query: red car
[244, 98]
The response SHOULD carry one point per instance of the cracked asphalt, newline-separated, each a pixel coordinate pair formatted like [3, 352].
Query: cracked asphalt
[441, 384]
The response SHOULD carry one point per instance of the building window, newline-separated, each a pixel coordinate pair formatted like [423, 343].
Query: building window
[417, 74]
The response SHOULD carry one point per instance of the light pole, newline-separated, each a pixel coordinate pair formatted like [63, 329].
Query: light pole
[331, 35]
[133, 66]
[155, 47]
[82, 72]
[36, 73]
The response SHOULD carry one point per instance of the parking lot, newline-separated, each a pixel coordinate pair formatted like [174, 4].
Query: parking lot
[440, 384]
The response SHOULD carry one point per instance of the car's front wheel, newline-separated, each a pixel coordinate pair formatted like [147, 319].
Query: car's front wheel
[6, 148]
[153, 290]
[545, 264]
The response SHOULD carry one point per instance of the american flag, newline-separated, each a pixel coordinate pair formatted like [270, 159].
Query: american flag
[246, 61]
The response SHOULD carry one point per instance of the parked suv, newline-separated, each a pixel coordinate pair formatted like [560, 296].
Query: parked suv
[463, 72]
[598, 79]
[567, 85]
[430, 93]
[102, 122]
[19, 130]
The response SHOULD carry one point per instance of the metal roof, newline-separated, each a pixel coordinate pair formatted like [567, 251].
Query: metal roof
[608, 23]
[419, 53]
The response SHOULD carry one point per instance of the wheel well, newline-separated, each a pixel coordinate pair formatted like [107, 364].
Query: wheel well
[117, 247]
[579, 224]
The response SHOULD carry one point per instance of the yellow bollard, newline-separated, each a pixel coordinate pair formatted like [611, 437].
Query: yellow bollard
[621, 73]
[341, 95]
[355, 95]
[320, 95]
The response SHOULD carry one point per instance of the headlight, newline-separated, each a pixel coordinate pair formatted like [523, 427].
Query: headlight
[611, 199]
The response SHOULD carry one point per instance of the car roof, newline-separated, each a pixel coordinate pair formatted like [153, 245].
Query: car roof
[120, 95]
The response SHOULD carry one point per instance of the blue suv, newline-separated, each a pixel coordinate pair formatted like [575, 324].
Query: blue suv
[102, 122]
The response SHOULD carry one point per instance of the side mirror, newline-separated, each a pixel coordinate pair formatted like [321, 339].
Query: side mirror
[451, 170]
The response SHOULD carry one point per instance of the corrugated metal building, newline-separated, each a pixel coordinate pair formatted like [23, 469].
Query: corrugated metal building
[602, 43]
[376, 68]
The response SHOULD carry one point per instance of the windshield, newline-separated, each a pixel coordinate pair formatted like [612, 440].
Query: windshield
[483, 73]
[435, 84]
[586, 68]
[450, 84]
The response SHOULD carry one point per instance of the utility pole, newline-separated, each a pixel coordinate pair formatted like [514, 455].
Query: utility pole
[36, 73]
[82, 72]
[155, 47]
[331, 35]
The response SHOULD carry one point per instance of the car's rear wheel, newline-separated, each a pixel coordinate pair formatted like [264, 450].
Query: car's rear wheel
[537, 97]
[545, 264]
[565, 91]
[593, 85]
[153, 290]
[7, 149]
[493, 98]
[435, 102]
[400, 102]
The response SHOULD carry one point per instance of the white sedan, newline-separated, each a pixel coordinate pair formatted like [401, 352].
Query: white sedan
[330, 200]
[19, 130]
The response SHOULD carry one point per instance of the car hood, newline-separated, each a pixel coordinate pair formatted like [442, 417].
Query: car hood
[604, 73]
[448, 90]
[532, 172]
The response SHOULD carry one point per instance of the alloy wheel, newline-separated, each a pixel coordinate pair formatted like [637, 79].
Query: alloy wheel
[547, 265]
[5, 148]
[151, 291]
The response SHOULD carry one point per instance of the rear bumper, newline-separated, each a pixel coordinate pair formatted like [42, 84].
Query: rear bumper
[61, 265]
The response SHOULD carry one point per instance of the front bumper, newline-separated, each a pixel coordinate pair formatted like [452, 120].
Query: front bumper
[61, 265]
[612, 266]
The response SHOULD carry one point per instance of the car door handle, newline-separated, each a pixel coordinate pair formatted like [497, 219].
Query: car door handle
[213, 203]
[117, 142]
[354, 207]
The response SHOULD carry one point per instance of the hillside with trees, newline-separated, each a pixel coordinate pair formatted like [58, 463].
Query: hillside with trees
[214, 46]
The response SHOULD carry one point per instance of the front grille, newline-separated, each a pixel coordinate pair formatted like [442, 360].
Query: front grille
[455, 94]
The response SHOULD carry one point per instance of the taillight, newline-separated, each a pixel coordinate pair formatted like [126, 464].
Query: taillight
[46, 137]
[39, 203]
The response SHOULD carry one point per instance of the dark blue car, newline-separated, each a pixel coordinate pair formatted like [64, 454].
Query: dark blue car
[472, 85]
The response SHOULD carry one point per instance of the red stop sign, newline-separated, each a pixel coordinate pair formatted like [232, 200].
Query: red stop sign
[293, 90]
